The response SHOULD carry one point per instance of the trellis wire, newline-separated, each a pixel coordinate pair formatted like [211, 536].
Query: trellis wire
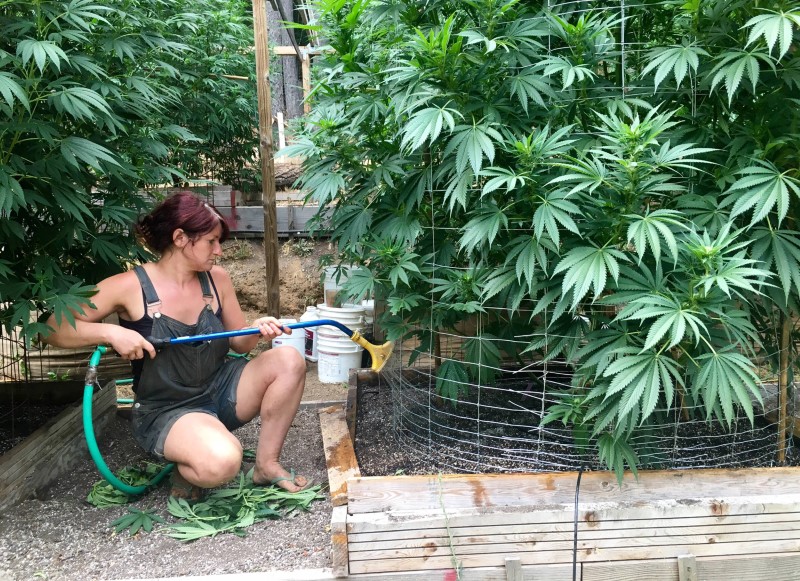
[497, 428]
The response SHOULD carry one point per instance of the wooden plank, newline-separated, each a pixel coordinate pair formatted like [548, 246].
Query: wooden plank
[548, 540]
[513, 569]
[351, 409]
[781, 567]
[687, 568]
[591, 514]
[339, 453]
[305, 71]
[435, 558]
[487, 491]
[783, 521]
[502, 546]
[340, 557]
[778, 567]
[51, 450]
[653, 570]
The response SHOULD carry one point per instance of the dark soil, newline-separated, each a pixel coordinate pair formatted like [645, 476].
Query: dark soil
[406, 428]
[18, 420]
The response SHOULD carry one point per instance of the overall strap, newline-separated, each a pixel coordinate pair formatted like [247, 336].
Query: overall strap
[205, 286]
[150, 296]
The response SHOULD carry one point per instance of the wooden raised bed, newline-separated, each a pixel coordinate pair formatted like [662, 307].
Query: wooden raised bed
[55, 447]
[741, 524]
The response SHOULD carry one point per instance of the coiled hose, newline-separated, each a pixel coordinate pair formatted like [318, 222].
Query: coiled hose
[88, 429]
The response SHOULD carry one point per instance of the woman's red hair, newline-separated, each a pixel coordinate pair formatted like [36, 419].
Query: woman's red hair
[183, 210]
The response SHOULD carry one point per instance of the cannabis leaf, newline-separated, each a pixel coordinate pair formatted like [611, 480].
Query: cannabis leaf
[137, 520]
[676, 60]
[776, 28]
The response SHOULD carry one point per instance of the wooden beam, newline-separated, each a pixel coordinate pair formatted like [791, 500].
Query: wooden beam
[340, 557]
[339, 453]
[687, 568]
[513, 569]
[783, 387]
[51, 450]
[306, 75]
[272, 306]
[454, 492]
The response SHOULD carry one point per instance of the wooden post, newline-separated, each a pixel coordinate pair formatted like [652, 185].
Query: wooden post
[306, 74]
[273, 306]
[514, 569]
[783, 386]
[687, 568]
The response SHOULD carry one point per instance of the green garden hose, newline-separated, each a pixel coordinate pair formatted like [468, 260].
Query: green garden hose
[91, 441]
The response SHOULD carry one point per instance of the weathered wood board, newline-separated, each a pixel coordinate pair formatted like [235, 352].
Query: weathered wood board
[51, 450]
[292, 220]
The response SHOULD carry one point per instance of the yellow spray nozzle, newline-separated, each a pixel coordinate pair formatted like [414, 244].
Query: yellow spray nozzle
[380, 353]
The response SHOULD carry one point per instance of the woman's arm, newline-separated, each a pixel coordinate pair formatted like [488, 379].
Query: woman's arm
[114, 295]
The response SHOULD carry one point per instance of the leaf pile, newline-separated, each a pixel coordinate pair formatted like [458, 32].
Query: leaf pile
[104, 495]
[234, 508]
[230, 509]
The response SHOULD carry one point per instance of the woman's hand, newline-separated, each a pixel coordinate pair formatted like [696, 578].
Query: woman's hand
[271, 327]
[130, 344]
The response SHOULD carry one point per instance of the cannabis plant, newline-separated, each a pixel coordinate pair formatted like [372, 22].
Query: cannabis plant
[609, 185]
[98, 102]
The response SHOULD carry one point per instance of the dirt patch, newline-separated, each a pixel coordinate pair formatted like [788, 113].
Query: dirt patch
[298, 268]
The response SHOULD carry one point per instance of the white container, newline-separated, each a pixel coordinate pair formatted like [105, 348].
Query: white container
[351, 316]
[297, 340]
[331, 286]
[310, 348]
[337, 355]
[369, 314]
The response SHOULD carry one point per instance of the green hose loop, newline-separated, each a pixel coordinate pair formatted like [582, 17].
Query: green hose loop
[91, 441]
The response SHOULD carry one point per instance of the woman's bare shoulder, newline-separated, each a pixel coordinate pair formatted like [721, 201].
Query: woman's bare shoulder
[119, 293]
[220, 275]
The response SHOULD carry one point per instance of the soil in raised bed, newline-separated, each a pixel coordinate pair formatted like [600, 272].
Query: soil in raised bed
[411, 431]
[18, 420]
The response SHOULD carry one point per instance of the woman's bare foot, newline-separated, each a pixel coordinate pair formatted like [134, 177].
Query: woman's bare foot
[182, 488]
[277, 475]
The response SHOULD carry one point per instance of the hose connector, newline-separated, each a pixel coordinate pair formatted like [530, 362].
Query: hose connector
[91, 371]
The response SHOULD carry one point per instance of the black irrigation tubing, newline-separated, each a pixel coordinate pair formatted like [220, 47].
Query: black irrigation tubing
[575, 527]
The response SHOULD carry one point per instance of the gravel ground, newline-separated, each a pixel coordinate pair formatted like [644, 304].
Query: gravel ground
[59, 536]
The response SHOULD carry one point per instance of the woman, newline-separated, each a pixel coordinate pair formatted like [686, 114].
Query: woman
[190, 396]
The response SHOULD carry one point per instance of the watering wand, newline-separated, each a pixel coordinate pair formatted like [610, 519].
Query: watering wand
[380, 353]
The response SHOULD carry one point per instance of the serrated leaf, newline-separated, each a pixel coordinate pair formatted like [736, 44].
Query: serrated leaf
[677, 60]
[11, 90]
[77, 149]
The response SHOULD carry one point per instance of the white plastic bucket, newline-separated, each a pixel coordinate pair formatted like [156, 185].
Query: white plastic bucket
[351, 316]
[296, 340]
[337, 355]
[331, 286]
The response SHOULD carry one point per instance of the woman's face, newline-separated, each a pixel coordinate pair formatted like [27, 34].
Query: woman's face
[205, 249]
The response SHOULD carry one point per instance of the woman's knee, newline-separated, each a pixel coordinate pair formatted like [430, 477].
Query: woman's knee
[290, 362]
[220, 463]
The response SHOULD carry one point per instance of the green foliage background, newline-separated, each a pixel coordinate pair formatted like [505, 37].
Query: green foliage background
[638, 207]
[99, 101]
